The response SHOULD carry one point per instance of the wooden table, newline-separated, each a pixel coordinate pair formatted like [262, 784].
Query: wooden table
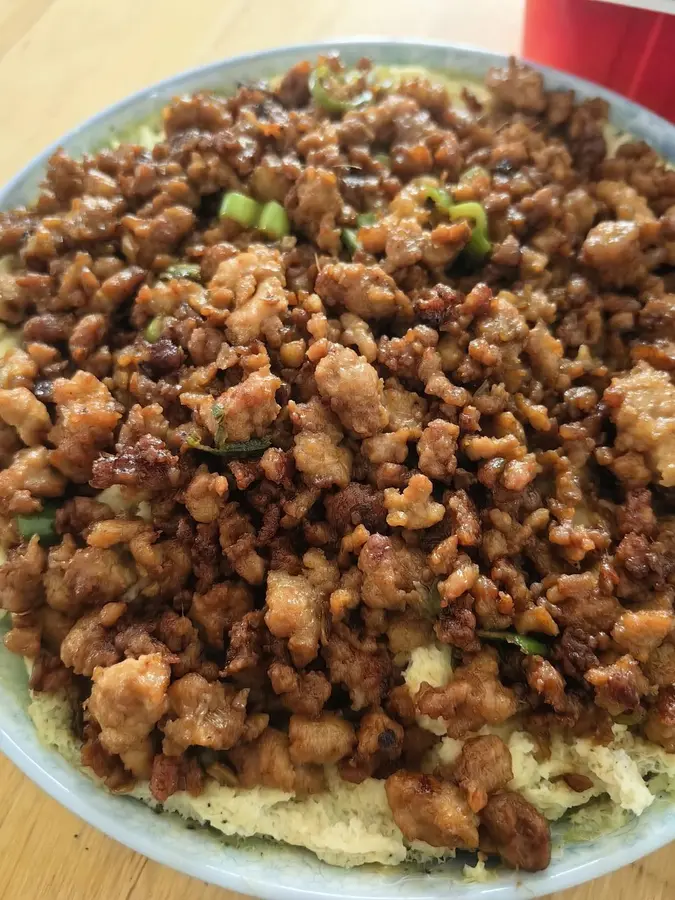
[61, 61]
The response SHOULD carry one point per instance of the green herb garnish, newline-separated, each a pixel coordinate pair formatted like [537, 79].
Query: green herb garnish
[350, 240]
[274, 221]
[241, 209]
[232, 449]
[528, 645]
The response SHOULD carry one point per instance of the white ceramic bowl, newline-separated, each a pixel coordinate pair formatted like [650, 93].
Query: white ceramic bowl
[259, 868]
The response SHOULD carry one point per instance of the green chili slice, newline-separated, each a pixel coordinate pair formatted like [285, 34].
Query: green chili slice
[42, 524]
[479, 245]
[323, 85]
[274, 220]
[441, 198]
[241, 209]
[153, 331]
[191, 271]
[528, 645]
[350, 240]
[233, 449]
[480, 242]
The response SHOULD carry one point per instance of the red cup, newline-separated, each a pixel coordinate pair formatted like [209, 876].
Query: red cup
[631, 51]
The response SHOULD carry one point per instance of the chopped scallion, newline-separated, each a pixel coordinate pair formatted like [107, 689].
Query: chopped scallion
[528, 645]
[274, 220]
[479, 244]
[441, 198]
[241, 209]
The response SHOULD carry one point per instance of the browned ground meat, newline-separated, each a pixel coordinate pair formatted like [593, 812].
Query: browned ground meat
[324, 451]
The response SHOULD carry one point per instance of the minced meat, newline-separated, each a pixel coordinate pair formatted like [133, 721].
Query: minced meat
[245, 477]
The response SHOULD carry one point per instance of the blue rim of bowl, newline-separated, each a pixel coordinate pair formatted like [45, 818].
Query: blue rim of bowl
[656, 131]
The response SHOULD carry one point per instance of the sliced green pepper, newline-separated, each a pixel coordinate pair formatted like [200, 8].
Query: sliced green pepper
[528, 645]
[322, 84]
[154, 329]
[191, 271]
[350, 240]
[42, 524]
[274, 220]
[479, 244]
[233, 449]
[241, 209]
[441, 198]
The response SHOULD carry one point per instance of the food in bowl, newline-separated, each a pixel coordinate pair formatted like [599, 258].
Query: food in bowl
[337, 447]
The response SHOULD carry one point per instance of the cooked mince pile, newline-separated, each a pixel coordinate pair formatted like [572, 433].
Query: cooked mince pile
[339, 368]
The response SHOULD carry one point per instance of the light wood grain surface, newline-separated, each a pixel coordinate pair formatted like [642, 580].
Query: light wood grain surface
[61, 61]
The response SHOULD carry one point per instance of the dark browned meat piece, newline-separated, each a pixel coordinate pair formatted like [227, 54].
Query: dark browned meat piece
[357, 504]
[267, 761]
[517, 831]
[363, 667]
[20, 585]
[147, 464]
[304, 693]
[393, 574]
[171, 774]
[518, 86]
[660, 724]
[380, 744]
